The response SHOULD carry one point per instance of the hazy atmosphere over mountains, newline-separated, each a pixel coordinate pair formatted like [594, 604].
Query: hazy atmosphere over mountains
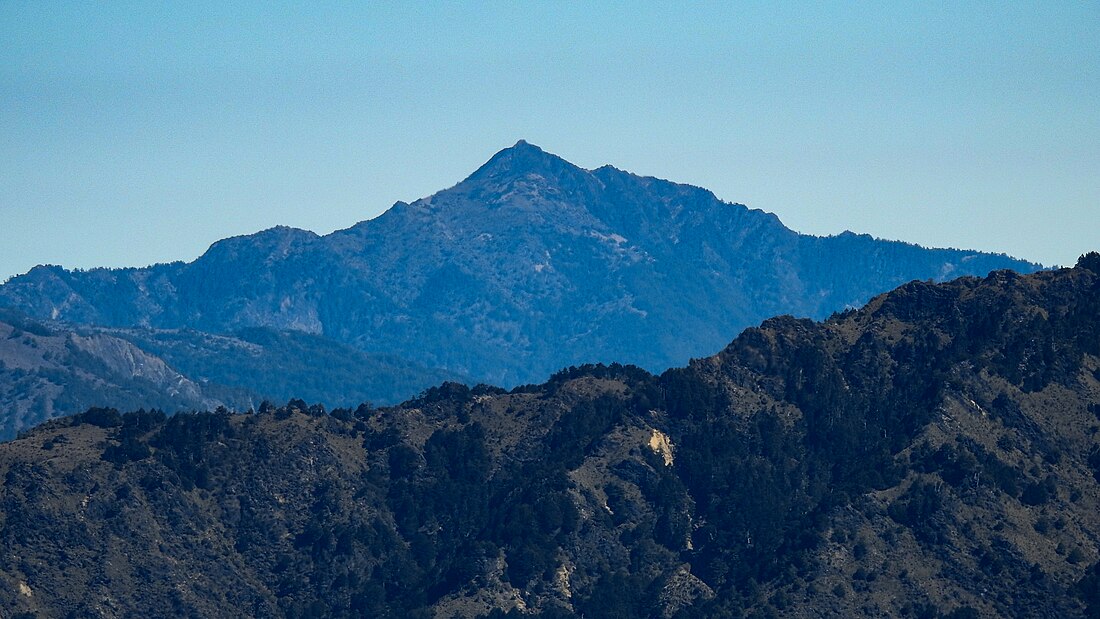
[529, 265]
[141, 135]
[47, 370]
[294, 325]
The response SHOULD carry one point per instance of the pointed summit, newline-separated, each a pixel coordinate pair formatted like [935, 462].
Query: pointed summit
[523, 159]
[529, 265]
[523, 148]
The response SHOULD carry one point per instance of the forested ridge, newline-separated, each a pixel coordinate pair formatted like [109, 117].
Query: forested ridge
[935, 453]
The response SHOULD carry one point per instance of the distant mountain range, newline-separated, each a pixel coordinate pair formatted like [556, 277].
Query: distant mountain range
[935, 454]
[529, 265]
[52, 370]
[47, 372]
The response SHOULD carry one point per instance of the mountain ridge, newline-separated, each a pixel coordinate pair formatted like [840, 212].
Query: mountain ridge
[932, 454]
[527, 265]
[49, 369]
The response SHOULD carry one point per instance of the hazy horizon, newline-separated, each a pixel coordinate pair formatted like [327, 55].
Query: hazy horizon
[135, 135]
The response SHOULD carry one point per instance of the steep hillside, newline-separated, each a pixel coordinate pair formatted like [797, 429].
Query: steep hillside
[279, 365]
[528, 265]
[933, 454]
[48, 372]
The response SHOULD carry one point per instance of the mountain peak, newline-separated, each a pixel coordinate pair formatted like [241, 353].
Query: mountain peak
[277, 240]
[521, 159]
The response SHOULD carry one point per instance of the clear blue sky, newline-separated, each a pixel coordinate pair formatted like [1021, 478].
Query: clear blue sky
[133, 133]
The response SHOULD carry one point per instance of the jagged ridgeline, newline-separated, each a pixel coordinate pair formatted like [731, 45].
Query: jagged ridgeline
[934, 454]
[529, 265]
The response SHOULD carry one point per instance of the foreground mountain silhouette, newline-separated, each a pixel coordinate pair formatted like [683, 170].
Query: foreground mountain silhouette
[529, 265]
[933, 454]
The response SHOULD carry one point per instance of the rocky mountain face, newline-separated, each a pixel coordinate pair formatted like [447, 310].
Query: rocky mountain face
[933, 454]
[49, 370]
[529, 265]
[281, 364]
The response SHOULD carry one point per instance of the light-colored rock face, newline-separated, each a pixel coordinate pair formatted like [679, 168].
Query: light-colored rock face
[561, 580]
[51, 372]
[683, 590]
[661, 445]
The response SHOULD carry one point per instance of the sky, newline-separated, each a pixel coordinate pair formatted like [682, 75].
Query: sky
[135, 133]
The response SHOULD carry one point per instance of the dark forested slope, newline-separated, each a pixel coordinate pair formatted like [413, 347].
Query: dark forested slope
[931, 454]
